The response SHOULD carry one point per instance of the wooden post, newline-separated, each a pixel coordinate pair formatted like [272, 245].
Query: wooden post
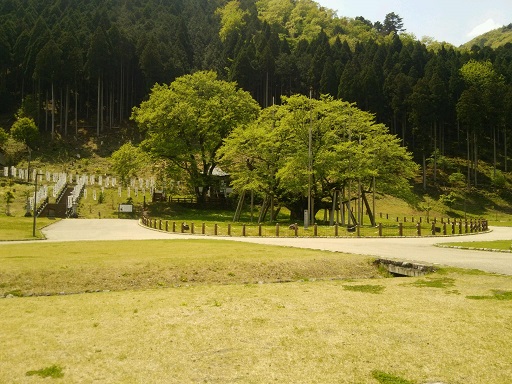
[444, 228]
[358, 230]
[174, 226]
[243, 230]
[203, 228]
[380, 229]
[192, 229]
[418, 229]
[229, 229]
[400, 229]
[215, 229]
[277, 229]
[160, 224]
[336, 230]
[259, 230]
[166, 226]
[296, 230]
[315, 230]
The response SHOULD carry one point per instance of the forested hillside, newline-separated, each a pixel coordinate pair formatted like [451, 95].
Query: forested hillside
[493, 39]
[92, 61]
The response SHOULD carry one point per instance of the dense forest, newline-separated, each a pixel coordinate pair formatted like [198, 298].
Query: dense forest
[73, 63]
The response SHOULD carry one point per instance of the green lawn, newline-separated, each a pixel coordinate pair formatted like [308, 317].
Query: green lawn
[21, 228]
[501, 245]
[207, 311]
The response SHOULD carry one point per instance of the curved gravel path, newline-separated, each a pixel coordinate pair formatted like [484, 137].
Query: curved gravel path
[422, 250]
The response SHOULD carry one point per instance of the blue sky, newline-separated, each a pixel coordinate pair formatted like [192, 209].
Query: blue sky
[453, 21]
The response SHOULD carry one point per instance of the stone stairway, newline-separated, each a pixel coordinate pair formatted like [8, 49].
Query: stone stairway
[59, 208]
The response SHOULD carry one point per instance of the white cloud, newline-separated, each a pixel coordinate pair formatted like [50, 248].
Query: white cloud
[487, 26]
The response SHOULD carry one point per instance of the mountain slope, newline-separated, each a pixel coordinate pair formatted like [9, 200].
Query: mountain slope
[494, 39]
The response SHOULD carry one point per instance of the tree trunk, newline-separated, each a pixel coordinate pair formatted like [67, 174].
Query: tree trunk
[121, 91]
[505, 149]
[404, 128]
[66, 111]
[424, 168]
[53, 113]
[435, 152]
[61, 122]
[76, 111]
[98, 107]
[38, 99]
[102, 109]
[468, 145]
[476, 160]
[494, 149]
[349, 208]
[46, 112]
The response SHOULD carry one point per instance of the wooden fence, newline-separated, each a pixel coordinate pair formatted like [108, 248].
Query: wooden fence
[401, 229]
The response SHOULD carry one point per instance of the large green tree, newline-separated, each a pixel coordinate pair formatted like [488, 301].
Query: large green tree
[127, 161]
[323, 144]
[24, 130]
[186, 122]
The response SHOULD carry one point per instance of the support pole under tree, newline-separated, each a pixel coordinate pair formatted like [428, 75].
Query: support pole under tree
[334, 199]
[373, 195]
[252, 204]
[239, 206]
[35, 205]
[310, 162]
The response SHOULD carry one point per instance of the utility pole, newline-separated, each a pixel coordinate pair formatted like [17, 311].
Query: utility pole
[35, 205]
[310, 161]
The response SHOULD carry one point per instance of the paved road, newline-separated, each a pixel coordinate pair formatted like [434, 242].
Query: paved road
[408, 249]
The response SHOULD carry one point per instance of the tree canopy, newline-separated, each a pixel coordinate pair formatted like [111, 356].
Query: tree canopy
[127, 161]
[272, 154]
[25, 131]
[186, 122]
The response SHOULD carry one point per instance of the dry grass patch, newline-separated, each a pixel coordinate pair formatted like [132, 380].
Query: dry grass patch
[301, 332]
[190, 311]
[52, 268]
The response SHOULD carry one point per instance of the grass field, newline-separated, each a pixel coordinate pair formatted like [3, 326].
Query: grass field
[53, 268]
[21, 228]
[199, 311]
[498, 245]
